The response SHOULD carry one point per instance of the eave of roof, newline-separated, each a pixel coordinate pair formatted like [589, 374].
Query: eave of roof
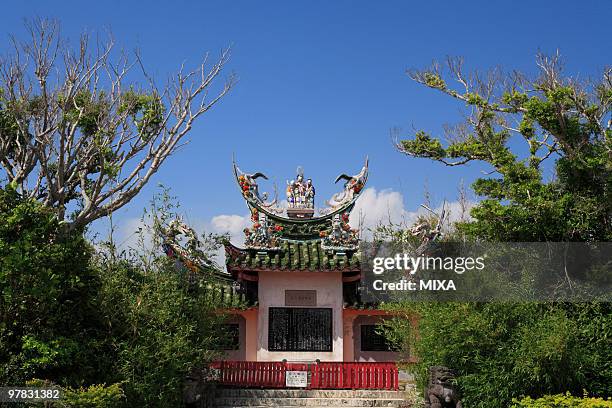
[292, 256]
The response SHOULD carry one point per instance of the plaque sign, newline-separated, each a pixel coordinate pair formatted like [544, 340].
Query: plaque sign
[296, 379]
[300, 298]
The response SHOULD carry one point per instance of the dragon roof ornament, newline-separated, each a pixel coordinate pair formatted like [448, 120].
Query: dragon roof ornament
[180, 241]
[352, 188]
[250, 189]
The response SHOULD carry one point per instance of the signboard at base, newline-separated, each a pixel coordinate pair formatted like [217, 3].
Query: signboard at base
[296, 379]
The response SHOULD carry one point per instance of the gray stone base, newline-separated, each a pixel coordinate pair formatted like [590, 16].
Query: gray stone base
[233, 397]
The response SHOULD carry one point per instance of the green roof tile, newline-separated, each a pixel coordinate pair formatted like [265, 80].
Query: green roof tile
[293, 255]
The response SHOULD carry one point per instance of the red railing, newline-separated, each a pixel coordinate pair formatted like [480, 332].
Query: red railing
[332, 375]
[251, 373]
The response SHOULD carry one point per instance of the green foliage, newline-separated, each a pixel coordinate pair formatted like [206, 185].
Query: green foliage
[39, 354]
[81, 319]
[562, 401]
[92, 113]
[9, 125]
[146, 111]
[425, 146]
[87, 110]
[434, 80]
[558, 118]
[160, 326]
[94, 396]
[161, 322]
[502, 351]
[47, 306]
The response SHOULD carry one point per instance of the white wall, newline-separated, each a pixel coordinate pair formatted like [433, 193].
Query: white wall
[272, 286]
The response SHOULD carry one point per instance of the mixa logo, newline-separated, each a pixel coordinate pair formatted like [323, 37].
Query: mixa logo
[431, 284]
[435, 284]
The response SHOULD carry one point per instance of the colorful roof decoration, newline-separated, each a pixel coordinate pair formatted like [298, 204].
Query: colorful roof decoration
[180, 242]
[299, 220]
[300, 194]
[291, 236]
[296, 236]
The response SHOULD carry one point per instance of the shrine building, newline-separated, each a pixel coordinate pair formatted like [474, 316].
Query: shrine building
[299, 272]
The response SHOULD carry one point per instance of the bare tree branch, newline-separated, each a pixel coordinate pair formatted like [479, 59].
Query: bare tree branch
[78, 134]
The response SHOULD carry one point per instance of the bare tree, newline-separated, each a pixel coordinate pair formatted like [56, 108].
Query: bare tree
[76, 131]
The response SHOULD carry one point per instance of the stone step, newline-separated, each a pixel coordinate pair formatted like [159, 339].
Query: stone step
[307, 402]
[301, 393]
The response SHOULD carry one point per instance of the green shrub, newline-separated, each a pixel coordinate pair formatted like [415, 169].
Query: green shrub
[508, 350]
[562, 401]
[161, 323]
[48, 312]
[94, 396]
[160, 329]
[76, 319]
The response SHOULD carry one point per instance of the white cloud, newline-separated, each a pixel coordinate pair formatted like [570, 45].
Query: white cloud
[456, 212]
[385, 207]
[376, 207]
[232, 224]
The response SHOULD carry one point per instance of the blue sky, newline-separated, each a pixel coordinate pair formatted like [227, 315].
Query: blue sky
[322, 82]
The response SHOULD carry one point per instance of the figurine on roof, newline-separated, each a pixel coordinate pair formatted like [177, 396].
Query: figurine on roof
[262, 235]
[180, 241]
[341, 236]
[300, 193]
[249, 185]
[309, 194]
[429, 229]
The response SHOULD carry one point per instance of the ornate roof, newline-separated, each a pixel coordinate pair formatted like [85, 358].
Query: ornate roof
[296, 235]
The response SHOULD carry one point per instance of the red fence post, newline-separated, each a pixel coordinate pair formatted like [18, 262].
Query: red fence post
[317, 376]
